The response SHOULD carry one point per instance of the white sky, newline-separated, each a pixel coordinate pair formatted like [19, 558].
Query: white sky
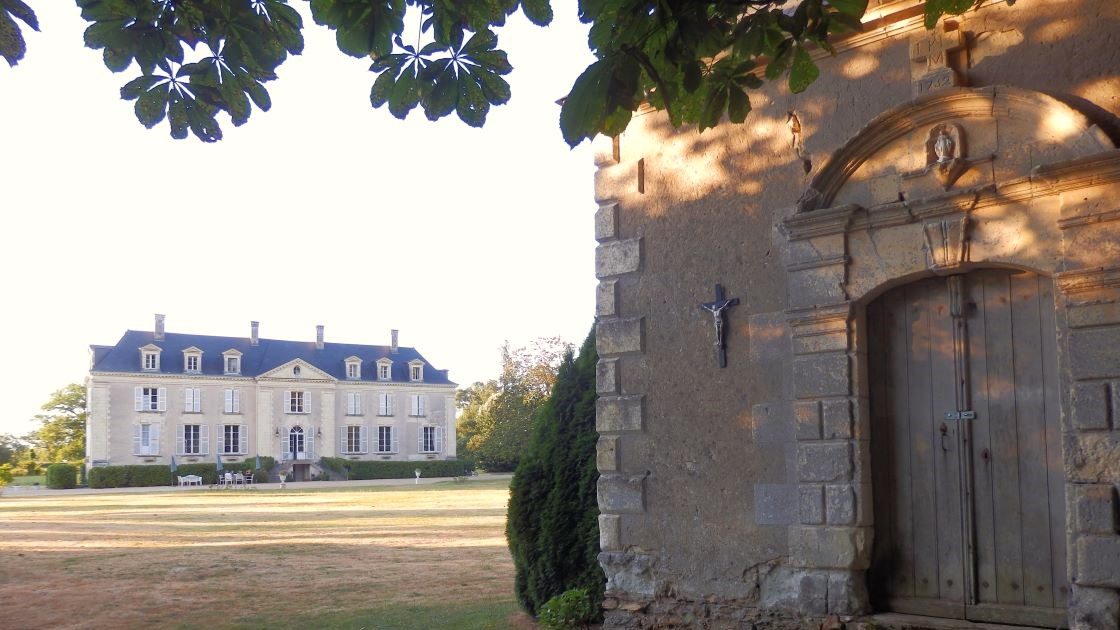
[320, 211]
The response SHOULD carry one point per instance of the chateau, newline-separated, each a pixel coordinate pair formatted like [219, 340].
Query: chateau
[861, 354]
[154, 395]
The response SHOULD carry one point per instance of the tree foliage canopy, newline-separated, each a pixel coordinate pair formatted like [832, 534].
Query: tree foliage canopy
[697, 60]
[61, 436]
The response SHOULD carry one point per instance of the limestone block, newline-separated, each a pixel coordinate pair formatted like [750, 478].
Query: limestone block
[618, 257]
[810, 504]
[847, 593]
[1092, 456]
[817, 285]
[607, 453]
[606, 222]
[618, 413]
[812, 595]
[808, 419]
[1093, 608]
[1098, 561]
[606, 377]
[840, 505]
[1091, 408]
[610, 532]
[621, 494]
[775, 503]
[619, 336]
[1092, 508]
[1093, 353]
[606, 298]
[1093, 314]
[830, 547]
[837, 417]
[628, 573]
[821, 375]
[824, 462]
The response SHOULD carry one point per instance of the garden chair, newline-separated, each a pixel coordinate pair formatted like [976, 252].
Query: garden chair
[182, 480]
[249, 479]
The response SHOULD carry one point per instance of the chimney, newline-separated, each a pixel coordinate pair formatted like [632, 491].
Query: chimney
[393, 334]
[159, 327]
[254, 333]
[319, 337]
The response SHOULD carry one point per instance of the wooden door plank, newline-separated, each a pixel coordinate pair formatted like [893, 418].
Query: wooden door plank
[1005, 439]
[1030, 406]
[923, 435]
[1054, 466]
[946, 454]
[981, 441]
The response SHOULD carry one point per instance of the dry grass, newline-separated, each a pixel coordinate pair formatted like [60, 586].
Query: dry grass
[376, 557]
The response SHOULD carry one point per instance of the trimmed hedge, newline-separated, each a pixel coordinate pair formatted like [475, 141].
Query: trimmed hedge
[397, 470]
[156, 475]
[62, 476]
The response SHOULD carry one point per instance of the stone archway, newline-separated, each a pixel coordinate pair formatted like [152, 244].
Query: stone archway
[960, 180]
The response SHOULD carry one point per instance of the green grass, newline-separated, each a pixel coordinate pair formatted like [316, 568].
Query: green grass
[29, 480]
[463, 616]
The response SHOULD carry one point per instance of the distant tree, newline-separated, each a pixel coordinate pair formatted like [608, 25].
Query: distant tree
[11, 447]
[694, 59]
[496, 416]
[552, 527]
[61, 436]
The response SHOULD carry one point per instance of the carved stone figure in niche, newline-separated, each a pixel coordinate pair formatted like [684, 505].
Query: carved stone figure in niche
[946, 155]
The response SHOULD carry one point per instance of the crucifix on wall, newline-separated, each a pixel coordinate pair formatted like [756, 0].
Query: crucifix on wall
[716, 308]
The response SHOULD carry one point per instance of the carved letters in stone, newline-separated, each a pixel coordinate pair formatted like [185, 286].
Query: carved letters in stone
[947, 242]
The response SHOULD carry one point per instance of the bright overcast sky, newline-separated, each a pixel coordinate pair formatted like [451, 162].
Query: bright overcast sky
[320, 211]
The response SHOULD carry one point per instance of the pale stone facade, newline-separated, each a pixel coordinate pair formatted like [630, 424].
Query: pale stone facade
[748, 495]
[286, 400]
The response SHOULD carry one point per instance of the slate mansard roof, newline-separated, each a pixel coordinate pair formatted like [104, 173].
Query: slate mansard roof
[269, 354]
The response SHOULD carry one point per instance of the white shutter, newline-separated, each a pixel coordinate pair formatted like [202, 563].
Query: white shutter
[228, 408]
[139, 399]
[307, 402]
[420, 403]
[363, 437]
[236, 400]
[287, 402]
[393, 436]
[357, 403]
[309, 447]
[243, 439]
[350, 404]
[221, 438]
[419, 439]
[439, 439]
[188, 399]
[342, 434]
[153, 449]
[163, 399]
[415, 411]
[180, 445]
[136, 439]
[203, 439]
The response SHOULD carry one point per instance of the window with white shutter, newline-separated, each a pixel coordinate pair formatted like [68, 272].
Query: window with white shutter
[363, 434]
[151, 399]
[192, 400]
[145, 439]
[384, 404]
[431, 439]
[232, 401]
[353, 403]
[233, 439]
[298, 402]
[190, 439]
[418, 401]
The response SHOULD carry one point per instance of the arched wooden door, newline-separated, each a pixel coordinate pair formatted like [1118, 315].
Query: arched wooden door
[966, 453]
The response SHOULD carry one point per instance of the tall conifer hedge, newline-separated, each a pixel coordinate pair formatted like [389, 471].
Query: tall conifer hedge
[553, 524]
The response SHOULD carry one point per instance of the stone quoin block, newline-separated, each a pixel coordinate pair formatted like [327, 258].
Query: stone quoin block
[847, 593]
[810, 505]
[1093, 608]
[606, 453]
[821, 375]
[1091, 406]
[618, 257]
[1092, 508]
[840, 505]
[808, 419]
[610, 532]
[812, 593]
[830, 547]
[619, 336]
[606, 222]
[837, 419]
[618, 413]
[825, 462]
[622, 494]
[606, 298]
[607, 377]
[1098, 561]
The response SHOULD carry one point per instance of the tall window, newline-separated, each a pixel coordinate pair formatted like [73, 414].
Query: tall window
[354, 439]
[383, 373]
[417, 405]
[384, 404]
[299, 402]
[386, 440]
[151, 360]
[193, 363]
[145, 439]
[192, 440]
[416, 372]
[353, 369]
[233, 365]
[151, 399]
[233, 439]
[232, 401]
[192, 400]
[353, 403]
[431, 439]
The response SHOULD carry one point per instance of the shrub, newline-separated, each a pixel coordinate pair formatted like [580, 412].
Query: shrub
[351, 469]
[552, 526]
[5, 474]
[574, 608]
[62, 476]
[107, 477]
[157, 475]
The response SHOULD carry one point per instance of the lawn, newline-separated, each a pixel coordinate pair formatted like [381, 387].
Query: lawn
[29, 480]
[374, 557]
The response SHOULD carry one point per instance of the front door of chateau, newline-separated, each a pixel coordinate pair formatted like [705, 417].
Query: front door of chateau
[966, 454]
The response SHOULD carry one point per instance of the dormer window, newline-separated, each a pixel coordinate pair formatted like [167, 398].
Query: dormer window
[232, 360]
[353, 368]
[149, 358]
[192, 360]
[415, 371]
[385, 370]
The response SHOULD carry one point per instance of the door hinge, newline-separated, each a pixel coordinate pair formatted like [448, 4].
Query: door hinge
[960, 415]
